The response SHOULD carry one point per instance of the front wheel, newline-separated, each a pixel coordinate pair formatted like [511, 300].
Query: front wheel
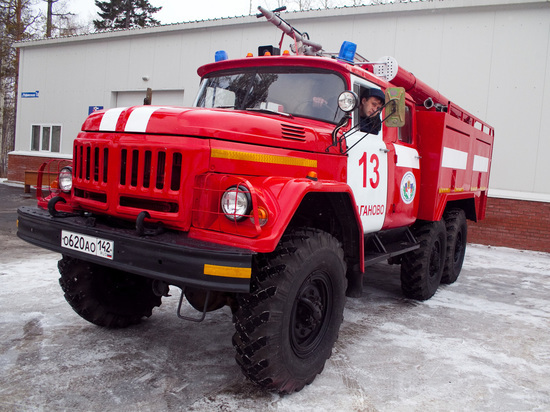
[104, 296]
[286, 327]
[422, 269]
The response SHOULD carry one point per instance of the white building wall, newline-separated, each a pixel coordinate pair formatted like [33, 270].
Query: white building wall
[489, 56]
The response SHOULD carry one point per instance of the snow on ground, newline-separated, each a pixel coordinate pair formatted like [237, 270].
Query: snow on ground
[481, 343]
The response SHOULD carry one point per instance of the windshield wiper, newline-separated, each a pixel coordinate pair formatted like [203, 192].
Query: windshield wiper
[255, 109]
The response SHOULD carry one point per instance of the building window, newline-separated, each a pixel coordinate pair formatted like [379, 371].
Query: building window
[45, 138]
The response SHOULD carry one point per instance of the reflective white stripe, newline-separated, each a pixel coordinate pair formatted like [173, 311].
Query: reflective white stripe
[110, 119]
[139, 118]
[407, 157]
[481, 164]
[454, 159]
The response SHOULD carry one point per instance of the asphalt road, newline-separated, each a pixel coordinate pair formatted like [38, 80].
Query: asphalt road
[479, 344]
[10, 199]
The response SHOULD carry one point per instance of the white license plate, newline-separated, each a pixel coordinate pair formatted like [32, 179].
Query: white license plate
[88, 244]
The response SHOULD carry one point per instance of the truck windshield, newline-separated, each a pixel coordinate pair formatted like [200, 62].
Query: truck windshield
[312, 94]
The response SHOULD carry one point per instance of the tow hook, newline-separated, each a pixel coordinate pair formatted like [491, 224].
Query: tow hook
[160, 288]
[51, 207]
[142, 230]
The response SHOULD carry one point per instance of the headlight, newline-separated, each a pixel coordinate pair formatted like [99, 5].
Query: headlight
[236, 203]
[66, 179]
[347, 101]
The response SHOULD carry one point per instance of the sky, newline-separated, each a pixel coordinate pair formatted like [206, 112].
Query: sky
[177, 11]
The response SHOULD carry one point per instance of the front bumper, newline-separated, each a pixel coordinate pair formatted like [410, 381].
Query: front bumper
[171, 256]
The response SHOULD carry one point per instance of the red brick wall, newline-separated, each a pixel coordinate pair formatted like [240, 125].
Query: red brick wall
[517, 224]
[17, 164]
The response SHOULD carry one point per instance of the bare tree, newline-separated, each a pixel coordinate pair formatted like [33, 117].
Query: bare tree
[49, 17]
[60, 22]
[303, 4]
[275, 4]
[69, 25]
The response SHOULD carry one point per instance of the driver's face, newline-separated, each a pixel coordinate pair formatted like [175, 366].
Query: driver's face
[370, 106]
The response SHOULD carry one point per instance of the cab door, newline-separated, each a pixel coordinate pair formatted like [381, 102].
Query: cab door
[368, 170]
[403, 199]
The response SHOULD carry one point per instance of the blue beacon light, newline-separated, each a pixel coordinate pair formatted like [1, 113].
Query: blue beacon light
[347, 51]
[220, 55]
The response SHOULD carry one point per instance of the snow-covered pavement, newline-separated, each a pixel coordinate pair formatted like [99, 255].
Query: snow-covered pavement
[482, 343]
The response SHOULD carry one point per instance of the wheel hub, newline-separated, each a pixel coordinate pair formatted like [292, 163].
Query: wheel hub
[309, 315]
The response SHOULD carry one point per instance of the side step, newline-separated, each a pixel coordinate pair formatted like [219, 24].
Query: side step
[384, 245]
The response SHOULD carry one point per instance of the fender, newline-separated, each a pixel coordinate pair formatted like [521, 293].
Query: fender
[464, 201]
[282, 196]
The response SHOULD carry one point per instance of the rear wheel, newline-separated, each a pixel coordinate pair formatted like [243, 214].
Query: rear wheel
[421, 269]
[457, 229]
[104, 296]
[286, 327]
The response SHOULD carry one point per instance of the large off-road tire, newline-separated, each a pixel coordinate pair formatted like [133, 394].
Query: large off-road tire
[421, 269]
[104, 296]
[286, 327]
[457, 231]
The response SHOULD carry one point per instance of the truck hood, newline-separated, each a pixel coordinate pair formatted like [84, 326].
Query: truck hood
[241, 126]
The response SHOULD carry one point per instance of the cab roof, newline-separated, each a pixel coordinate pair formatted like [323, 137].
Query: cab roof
[315, 62]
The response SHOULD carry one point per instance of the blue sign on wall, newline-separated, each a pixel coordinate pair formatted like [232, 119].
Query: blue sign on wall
[29, 95]
[92, 109]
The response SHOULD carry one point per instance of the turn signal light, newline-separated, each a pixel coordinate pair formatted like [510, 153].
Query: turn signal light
[263, 215]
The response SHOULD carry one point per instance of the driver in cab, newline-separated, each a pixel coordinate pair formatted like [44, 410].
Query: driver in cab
[372, 101]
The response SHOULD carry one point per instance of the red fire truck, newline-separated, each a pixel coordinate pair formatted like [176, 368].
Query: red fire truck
[267, 196]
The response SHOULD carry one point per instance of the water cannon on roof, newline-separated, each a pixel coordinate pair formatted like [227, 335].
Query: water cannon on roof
[302, 44]
[385, 67]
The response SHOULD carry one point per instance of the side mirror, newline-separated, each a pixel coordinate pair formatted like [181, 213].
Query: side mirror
[347, 102]
[395, 105]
